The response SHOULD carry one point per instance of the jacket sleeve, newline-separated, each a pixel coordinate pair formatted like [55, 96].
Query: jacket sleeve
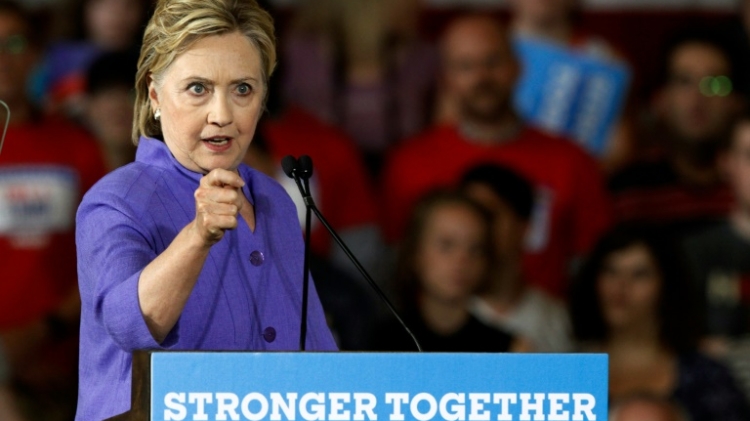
[113, 249]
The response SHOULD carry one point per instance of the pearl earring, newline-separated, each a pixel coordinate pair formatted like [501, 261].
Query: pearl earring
[157, 114]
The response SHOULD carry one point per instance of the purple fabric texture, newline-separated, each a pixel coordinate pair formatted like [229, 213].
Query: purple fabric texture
[250, 284]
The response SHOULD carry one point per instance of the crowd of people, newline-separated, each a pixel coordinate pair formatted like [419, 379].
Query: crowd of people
[491, 233]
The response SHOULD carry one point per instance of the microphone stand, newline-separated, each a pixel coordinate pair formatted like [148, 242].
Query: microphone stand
[310, 205]
[291, 168]
[306, 279]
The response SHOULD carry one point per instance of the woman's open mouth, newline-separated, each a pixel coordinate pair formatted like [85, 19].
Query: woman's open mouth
[218, 143]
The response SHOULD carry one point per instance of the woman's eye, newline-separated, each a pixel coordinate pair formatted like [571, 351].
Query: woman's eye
[197, 88]
[244, 89]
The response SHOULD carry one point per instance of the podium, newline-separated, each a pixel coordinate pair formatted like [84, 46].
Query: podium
[308, 386]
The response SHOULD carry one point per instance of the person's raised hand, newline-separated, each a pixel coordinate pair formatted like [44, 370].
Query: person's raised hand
[218, 201]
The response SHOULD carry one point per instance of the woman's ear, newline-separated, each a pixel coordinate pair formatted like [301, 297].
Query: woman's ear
[153, 94]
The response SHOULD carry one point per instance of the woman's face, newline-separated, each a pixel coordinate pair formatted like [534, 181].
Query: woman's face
[210, 100]
[451, 258]
[628, 287]
[113, 24]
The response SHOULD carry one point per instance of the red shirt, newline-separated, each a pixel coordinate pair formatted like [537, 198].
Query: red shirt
[653, 192]
[571, 210]
[341, 187]
[45, 168]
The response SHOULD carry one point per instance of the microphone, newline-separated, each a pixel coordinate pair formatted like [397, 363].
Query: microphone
[304, 169]
[7, 123]
[289, 165]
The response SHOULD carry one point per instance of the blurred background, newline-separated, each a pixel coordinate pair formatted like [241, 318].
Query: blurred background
[518, 175]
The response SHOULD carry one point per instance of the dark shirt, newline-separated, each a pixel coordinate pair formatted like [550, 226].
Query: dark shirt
[349, 306]
[474, 336]
[708, 391]
[652, 192]
[719, 260]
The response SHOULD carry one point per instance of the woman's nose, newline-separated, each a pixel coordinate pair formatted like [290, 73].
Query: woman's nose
[220, 111]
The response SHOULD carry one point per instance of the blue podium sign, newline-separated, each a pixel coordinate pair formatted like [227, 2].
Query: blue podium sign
[378, 386]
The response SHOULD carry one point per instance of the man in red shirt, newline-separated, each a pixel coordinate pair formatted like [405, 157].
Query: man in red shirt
[46, 166]
[479, 73]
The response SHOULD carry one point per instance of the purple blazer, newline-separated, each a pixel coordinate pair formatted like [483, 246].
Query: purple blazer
[248, 295]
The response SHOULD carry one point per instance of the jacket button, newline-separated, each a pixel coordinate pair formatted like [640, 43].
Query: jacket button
[257, 258]
[269, 334]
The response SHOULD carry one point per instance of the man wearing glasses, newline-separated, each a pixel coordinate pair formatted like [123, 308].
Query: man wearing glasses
[679, 186]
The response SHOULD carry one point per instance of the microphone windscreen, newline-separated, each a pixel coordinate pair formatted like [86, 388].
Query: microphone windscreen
[289, 164]
[306, 166]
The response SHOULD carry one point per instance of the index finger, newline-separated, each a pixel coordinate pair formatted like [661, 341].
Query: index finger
[221, 177]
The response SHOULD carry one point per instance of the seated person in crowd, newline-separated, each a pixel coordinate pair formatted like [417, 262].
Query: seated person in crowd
[682, 187]
[46, 166]
[646, 407]
[100, 26]
[633, 302]
[479, 70]
[720, 261]
[108, 109]
[443, 261]
[554, 22]
[508, 301]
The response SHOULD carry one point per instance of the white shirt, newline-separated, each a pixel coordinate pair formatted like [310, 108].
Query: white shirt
[537, 317]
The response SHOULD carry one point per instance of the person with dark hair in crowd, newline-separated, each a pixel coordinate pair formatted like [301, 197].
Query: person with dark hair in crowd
[99, 26]
[108, 109]
[443, 261]
[46, 166]
[633, 301]
[720, 263]
[681, 186]
[509, 302]
[479, 72]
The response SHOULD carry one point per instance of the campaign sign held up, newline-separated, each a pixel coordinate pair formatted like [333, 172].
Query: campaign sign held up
[378, 386]
[569, 93]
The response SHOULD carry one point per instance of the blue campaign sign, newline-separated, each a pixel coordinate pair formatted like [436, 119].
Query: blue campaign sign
[569, 93]
[378, 386]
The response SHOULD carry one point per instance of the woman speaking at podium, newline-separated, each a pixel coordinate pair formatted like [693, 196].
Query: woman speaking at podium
[187, 248]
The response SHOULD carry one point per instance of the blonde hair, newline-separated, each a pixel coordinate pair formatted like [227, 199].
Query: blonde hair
[176, 25]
